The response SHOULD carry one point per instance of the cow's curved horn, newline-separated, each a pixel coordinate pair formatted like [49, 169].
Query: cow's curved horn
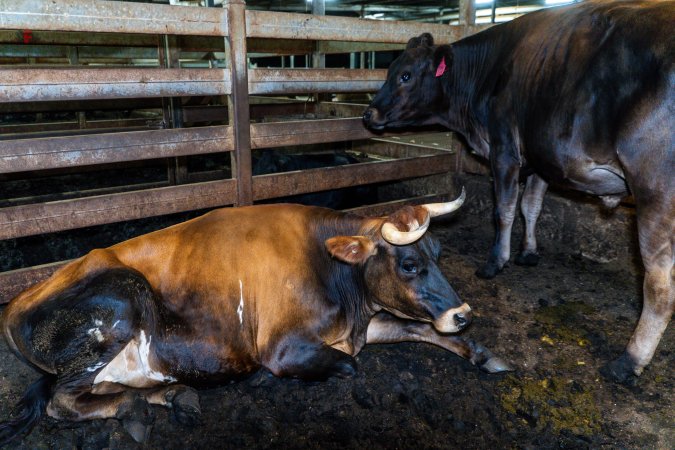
[438, 209]
[391, 234]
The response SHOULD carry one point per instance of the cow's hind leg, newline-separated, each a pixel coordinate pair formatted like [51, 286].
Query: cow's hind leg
[384, 328]
[73, 400]
[76, 333]
[530, 206]
[657, 246]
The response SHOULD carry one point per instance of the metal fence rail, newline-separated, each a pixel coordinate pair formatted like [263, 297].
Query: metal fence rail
[91, 19]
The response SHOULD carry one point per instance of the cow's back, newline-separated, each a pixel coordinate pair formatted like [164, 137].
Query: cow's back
[224, 247]
[616, 49]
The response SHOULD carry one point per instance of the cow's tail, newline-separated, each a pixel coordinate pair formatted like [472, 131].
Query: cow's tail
[28, 410]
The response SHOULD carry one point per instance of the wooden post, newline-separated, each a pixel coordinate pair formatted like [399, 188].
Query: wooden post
[318, 57]
[238, 103]
[467, 12]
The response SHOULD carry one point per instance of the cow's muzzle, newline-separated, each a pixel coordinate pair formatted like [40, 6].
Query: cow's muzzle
[454, 320]
[370, 119]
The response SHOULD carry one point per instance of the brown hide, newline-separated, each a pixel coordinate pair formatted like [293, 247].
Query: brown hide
[295, 290]
[262, 257]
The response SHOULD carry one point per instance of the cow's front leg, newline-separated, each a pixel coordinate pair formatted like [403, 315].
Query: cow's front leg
[385, 328]
[505, 169]
[301, 357]
[530, 206]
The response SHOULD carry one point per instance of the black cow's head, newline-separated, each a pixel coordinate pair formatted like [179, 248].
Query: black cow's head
[413, 92]
[400, 266]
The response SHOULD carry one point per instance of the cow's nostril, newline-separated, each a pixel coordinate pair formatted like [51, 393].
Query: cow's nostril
[367, 115]
[461, 320]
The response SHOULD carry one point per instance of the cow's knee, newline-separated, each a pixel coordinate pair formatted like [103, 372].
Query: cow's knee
[299, 358]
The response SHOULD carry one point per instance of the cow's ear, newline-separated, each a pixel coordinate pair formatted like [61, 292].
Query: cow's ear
[426, 39]
[351, 249]
[443, 53]
[413, 43]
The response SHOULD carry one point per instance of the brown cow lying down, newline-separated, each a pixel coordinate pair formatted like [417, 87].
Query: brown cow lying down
[293, 289]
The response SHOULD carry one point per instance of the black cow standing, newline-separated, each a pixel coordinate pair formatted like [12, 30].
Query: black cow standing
[581, 97]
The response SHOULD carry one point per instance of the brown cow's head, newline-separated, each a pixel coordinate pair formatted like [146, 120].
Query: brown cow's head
[413, 92]
[400, 264]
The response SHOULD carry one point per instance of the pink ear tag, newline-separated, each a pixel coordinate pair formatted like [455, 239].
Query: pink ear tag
[441, 68]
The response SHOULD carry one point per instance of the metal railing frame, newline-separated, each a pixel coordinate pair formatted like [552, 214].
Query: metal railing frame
[232, 23]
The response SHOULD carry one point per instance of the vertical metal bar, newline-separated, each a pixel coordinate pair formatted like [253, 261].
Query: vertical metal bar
[494, 11]
[74, 60]
[318, 58]
[362, 55]
[73, 56]
[467, 17]
[467, 12]
[238, 104]
[172, 108]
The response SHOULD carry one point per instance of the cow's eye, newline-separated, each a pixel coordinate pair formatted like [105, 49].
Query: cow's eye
[405, 77]
[409, 267]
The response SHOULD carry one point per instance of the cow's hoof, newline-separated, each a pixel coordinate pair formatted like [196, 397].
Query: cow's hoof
[527, 259]
[185, 407]
[137, 419]
[345, 368]
[621, 370]
[496, 365]
[137, 430]
[184, 404]
[488, 271]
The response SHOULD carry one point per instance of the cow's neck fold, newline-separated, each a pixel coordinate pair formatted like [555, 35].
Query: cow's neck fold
[345, 282]
[468, 88]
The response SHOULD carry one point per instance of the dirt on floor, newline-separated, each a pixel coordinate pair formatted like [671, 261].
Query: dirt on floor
[556, 323]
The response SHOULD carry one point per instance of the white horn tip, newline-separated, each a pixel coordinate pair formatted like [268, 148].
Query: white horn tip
[439, 209]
